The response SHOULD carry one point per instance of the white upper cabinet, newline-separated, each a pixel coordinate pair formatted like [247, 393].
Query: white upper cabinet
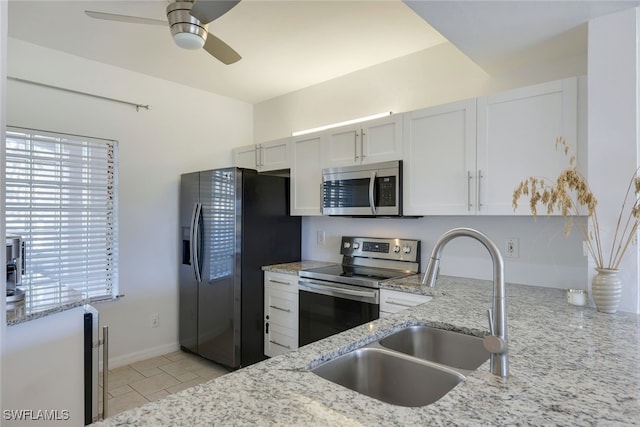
[306, 174]
[467, 157]
[245, 156]
[517, 131]
[267, 156]
[372, 141]
[440, 160]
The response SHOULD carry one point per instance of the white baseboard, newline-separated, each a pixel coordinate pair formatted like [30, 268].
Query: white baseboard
[127, 359]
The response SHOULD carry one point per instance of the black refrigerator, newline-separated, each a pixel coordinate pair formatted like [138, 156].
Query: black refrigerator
[232, 222]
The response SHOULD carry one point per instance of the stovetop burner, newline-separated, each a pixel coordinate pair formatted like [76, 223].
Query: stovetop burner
[377, 274]
[369, 261]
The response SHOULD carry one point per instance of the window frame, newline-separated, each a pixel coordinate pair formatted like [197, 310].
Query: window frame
[71, 179]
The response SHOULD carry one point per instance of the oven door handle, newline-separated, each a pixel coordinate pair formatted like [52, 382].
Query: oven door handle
[372, 186]
[326, 289]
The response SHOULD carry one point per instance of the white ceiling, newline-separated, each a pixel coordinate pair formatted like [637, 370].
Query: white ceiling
[290, 45]
[503, 35]
[285, 45]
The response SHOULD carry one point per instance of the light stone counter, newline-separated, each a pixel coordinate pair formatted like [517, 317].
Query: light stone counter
[295, 267]
[45, 302]
[568, 366]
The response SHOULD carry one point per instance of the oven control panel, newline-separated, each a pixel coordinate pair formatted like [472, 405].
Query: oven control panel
[372, 247]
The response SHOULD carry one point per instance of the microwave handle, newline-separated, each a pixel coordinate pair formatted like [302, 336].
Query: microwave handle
[372, 186]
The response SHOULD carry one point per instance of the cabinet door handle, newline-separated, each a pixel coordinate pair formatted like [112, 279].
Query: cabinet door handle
[355, 148]
[281, 345]
[256, 154]
[401, 304]
[469, 178]
[279, 282]
[286, 310]
[362, 156]
[480, 176]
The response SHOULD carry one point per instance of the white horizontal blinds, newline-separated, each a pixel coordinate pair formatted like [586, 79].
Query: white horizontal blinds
[61, 197]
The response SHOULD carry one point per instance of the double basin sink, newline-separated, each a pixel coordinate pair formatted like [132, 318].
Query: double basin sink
[415, 366]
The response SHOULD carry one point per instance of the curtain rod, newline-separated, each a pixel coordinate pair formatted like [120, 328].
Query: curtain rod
[77, 92]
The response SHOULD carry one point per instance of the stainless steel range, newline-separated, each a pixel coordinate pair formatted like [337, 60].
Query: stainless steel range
[338, 297]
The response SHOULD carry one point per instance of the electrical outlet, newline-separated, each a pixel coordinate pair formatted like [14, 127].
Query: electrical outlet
[155, 320]
[320, 237]
[512, 248]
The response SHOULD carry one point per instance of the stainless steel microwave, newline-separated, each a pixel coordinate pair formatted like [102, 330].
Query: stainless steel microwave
[364, 190]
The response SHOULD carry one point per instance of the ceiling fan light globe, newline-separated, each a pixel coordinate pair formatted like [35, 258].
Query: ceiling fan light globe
[188, 40]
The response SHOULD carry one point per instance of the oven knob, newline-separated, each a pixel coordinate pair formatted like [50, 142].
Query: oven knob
[356, 245]
[347, 245]
[406, 249]
[396, 249]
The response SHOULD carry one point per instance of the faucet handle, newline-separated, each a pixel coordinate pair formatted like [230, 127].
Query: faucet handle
[491, 327]
[494, 344]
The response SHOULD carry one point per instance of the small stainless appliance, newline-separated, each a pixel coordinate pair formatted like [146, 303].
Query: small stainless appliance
[15, 270]
[338, 297]
[366, 190]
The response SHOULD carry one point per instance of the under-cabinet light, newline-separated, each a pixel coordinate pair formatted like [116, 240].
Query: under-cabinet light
[348, 122]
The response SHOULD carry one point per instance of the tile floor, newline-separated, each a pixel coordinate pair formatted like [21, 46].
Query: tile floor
[152, 379]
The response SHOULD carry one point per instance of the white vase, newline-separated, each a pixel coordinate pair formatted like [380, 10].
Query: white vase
[606, 288]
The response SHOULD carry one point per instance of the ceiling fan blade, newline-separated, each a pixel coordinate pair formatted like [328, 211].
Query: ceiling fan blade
[209, 10]
[125, 18]
[220, 50]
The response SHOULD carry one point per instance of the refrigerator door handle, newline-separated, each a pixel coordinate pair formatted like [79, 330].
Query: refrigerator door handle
[198, 235]
[195, 240]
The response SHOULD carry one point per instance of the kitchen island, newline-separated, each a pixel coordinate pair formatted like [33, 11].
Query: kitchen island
[568, 366]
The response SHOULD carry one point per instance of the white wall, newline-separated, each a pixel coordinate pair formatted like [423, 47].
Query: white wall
[614, 92]
[3, 65]
[185, 130]
[433, 76]
[546, 257]
[43, 370]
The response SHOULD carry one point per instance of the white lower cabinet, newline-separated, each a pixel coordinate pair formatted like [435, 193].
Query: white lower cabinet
[395, 301]
[280, 313]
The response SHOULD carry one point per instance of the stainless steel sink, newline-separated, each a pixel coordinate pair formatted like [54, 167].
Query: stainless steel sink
[389, 376]
[437, 345]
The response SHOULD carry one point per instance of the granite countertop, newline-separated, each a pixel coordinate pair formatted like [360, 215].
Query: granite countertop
[295, 267]
[45, 302]
[568, 366]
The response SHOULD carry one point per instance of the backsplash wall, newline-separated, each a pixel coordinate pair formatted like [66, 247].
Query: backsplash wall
[546, 257]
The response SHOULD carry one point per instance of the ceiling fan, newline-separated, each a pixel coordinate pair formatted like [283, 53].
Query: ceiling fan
[188, 21]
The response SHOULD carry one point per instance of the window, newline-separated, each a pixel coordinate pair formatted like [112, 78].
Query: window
[61, 198]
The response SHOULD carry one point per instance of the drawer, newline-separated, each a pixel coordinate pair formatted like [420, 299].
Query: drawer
[395, 301]
[281, 308]
[279, 340]
[281, 281]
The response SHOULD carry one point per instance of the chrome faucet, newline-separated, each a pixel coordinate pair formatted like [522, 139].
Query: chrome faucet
[496, 343]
